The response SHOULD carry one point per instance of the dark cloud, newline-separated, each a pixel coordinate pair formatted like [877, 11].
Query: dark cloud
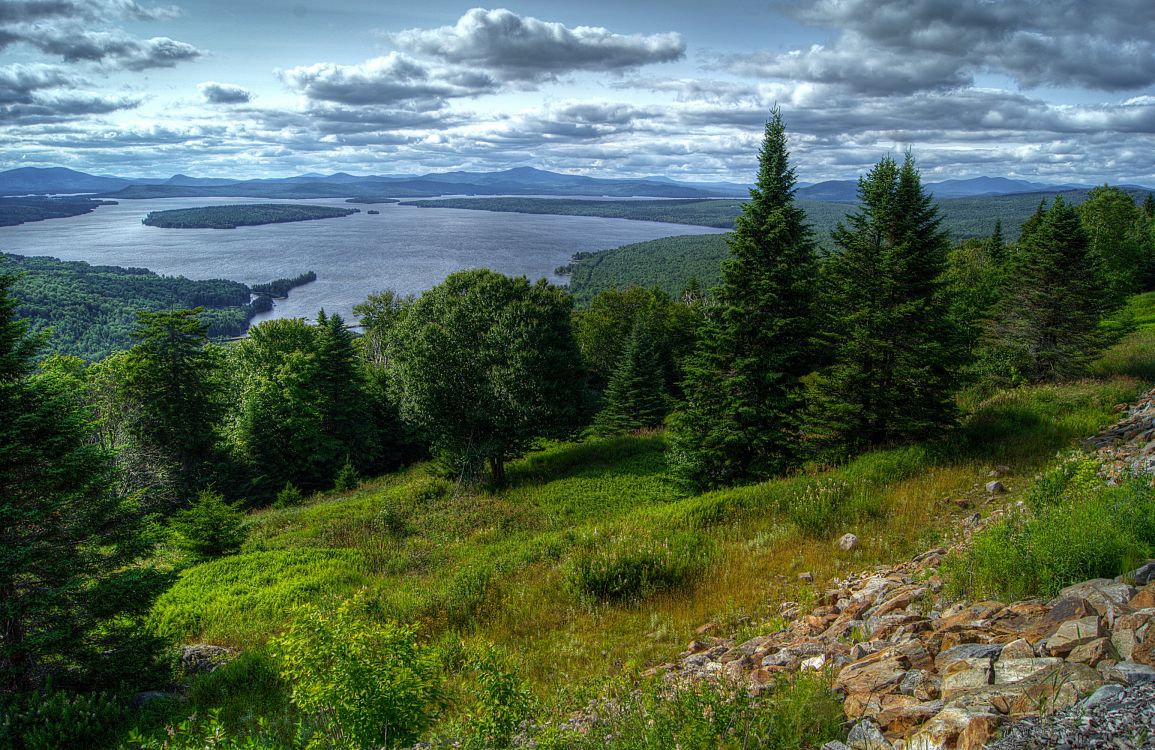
[57, 107]
[526, 49]
[383, 81]
[28, 11]
[896, 46]
[224, 93]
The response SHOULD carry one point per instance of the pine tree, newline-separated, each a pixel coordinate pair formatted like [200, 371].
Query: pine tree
[1045, 324]
[635, 396]
[996, 245]
[896, 348]
[70, 595]
[743, 405]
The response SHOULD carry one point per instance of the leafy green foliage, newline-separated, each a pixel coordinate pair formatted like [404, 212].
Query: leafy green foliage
[1077, 528]
[210, 527]
[240, 215]
[483, 364]
[668, 264]
[710, 213]
[636, 394]
[211, 733]
[895, 349]
[288, 497]
[631, 569]
[742, 409]
[370, 683]
[1120, 242]
[347, 477]
[92, 309]
[503, 701]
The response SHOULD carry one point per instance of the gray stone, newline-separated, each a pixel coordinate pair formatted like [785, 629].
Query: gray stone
[1131, 673]
[1016, 670]
[967, 651]
[865, 735]
[848, 542]
[1105, 694]
[835, 745]
[995, 487]
[1073, 633]
[1144, 575]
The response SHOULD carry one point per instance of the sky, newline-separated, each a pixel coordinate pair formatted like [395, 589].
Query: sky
[1046, 90]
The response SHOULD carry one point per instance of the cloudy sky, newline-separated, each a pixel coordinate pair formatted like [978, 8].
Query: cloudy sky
[1052, 90]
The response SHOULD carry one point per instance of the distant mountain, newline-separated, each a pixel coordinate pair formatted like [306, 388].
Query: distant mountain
[43, 180]
[519, 181]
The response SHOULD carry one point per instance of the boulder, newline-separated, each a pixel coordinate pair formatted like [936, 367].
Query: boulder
[865, 735]
[1072, 634]
[1132, 673]
[200, 658]
[1008, 671]
[941, 732]
[979, 731]
[986, 651]
[1020, 648]
[995, 487]
[1145, 599]
[1092, 653]
[966, 674]
[848, 543]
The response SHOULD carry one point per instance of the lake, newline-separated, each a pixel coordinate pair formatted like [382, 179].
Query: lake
[403, 248]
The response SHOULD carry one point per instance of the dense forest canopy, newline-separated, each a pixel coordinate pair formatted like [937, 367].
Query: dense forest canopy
[15, 211]
[240, 215]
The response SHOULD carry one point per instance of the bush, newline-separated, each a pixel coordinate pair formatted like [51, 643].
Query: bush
[1076, 528]
[631, 568]
[369, 683]
[288, 497]
[209, 528]
[503, 702]
[210, 733]
[347, 478]
[52, 719]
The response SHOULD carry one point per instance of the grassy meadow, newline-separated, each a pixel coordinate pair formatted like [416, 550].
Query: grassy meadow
[592, 564]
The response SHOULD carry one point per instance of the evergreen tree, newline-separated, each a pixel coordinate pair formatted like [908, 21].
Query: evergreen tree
[1045, 324]
[741, 416]
[345, 404]
[1149, 206]
[996, 245]
[169, 390]
[209, 527]
[71, 599]
[896, 349]
[636, 394]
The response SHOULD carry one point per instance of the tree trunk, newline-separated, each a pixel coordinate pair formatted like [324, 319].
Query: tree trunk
[497, 470]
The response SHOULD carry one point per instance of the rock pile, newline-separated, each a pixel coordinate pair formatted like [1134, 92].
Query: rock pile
[918, 674]
[1114, 718]
[1129, 445]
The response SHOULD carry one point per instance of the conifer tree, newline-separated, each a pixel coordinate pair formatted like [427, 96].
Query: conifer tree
[741, 416]
[996, 245]
[1045, 325]
[896, 348]
[635, 396]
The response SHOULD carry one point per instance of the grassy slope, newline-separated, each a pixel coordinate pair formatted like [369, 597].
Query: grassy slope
[498, 564]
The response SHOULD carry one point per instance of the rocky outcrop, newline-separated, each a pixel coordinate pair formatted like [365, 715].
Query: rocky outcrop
[918, 673]
[1129, 445]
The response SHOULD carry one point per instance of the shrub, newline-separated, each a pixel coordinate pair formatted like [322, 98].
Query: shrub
[370, 683]
[52, 719]
[289, 496]
[503, 702]
[630, 568]
[347, 478]
[209, 528]
[1076, 528]
[211, 733]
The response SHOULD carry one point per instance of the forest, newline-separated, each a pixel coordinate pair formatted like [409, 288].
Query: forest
[279, 288]
[240, 215]
[91, 310]
[495, 509]
[15, 211]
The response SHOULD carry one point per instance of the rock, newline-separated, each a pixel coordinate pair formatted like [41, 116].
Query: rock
[199, 658]
[1008, 671]
[995, 487]
[848, 543]
[903, 719]
[941, 732]
[1092, 653]
[835, 745]
[979, 731]
[1105, 694]
[709, 627]
[806, 577]
[1130, 633]
[1109, 598]
[813, 664]
[1143, 575]
[1020, 648]
[919, 684]
[877, 673]
[1132, 673]
[966, 651]
[966, 674]
[1073, 633]
[1145, 599]
[865, 735]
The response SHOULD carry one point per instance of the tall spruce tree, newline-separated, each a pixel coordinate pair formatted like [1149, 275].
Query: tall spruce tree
[896, 348]
[636, 394]
[743, 406]
[71, 599]
[1045, 325]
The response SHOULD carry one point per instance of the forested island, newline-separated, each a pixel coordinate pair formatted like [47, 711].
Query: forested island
[279, 288]
[241, 215]
[14, 211]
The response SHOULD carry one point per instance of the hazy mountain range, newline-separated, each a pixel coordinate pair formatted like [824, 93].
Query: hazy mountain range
[518, 181]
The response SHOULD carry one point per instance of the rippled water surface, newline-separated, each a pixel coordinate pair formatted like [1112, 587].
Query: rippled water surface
[404, 248]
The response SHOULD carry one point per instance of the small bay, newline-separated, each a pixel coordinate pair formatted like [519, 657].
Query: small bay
[404, 248]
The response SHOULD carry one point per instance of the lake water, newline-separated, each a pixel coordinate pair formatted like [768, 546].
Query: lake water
[403, 248]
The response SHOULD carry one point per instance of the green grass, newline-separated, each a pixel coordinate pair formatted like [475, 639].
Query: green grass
[592, 564]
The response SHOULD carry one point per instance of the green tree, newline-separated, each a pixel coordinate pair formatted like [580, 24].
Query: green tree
[71, 599]
[1119, 241]
[896, 349]
[484, 363]
[210, 527]
[743, 393]
[1045, 324]
[168, 383]
[636, 395]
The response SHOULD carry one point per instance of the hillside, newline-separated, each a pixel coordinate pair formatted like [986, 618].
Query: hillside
[592, 565]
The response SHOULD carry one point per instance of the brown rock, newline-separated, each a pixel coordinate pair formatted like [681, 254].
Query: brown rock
[1016, 670]
[900, 720]
[980, 729]
[1130, 631]
[1092, 653]
[876, 674]
[1019, 648]
[966, 674]
[1072, 634]
[941, 732]
[1145, 599]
